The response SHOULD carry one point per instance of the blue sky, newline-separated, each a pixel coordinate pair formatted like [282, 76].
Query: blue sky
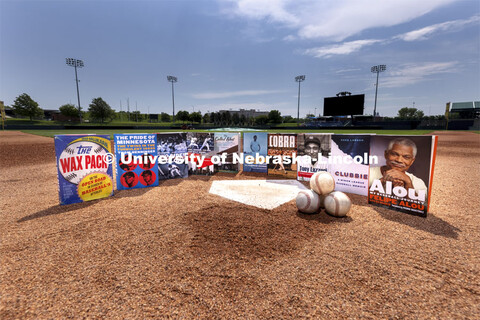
[241, 54]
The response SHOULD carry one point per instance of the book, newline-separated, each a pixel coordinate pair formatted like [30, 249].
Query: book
[313, 151]
[200, 147]
[349, 162]
[84, 167]
[136, 160]
[402, 178]
[226, 143]
[172, 153]
[282, 147]
[255, 148]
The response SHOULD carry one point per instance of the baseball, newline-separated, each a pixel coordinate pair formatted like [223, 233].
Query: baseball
[308, 201]
[322, 182]
[80, 159]
[337, 204]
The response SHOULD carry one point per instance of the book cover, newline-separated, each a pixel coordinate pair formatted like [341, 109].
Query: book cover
[349, 162]
[172, 153]
[312, 154]
[255, 146]
[227, 143]
[283, 147]
[136, 160]
[402, 179]
[201, 148]
[84, 167]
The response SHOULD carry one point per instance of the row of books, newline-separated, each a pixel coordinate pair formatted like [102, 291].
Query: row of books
[393, 171]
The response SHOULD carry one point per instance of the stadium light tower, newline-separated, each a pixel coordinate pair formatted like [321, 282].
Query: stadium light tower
[76, 64]
[173, 79]
[299, 79]
[377, 70]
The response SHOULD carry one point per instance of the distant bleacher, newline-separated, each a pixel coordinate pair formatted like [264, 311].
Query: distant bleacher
[466, 110]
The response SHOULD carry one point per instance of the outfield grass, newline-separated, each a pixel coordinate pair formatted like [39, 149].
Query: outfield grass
[51, 133]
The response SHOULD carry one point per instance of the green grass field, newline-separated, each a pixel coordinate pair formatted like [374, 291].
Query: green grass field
[51, 133]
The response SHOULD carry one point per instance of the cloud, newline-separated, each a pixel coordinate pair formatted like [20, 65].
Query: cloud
[416, 35]
[424, 33]
[412, 73]
[274, 10]
[221, 95]
[333, 20]
[339, 49]
[347, 70]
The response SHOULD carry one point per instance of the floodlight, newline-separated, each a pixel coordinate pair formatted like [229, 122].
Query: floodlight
[173, 79]
[299, 79]
[377, 70]
[76, 64]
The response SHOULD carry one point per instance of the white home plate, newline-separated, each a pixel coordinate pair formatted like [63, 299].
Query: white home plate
[265, 194]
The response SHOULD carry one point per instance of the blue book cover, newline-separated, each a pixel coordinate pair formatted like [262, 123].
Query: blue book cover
[136, 160]
[255, 145]
[84, 167]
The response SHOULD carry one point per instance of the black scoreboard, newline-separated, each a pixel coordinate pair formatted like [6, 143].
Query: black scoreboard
[344, 105]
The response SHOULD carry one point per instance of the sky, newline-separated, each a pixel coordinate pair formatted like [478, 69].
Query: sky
[241, 54]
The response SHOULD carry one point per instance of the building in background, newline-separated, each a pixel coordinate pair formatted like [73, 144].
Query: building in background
[247, 113]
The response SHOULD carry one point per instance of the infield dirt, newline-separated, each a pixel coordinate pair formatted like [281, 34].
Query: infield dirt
[178, 251]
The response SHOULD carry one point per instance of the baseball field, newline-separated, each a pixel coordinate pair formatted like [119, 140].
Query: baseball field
[177, 251]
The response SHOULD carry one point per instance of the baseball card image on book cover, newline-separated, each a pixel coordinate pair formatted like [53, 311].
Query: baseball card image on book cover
[255, 147]
[402, 178]
[349, 162]
[226, 145]
[136, 160]
[312, 154]
[201, 148]
[173, 148]
[84, 167]
[282, 147]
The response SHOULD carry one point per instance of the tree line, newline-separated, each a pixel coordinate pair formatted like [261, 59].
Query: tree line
[100, 111]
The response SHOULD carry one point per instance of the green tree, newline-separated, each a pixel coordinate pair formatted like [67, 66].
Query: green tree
[235, 119]
[228, 118]
[165, 117]
[243, 119]
[310, 115]
[196, 117]
[216, 118]
[100, 110]
[27, 107]
[206, 118]
[182, 116]
[69, 110]
[122, 115]
[410, 113]
[289, 119]
[261, 120]
[137, 116]
[274, 116]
